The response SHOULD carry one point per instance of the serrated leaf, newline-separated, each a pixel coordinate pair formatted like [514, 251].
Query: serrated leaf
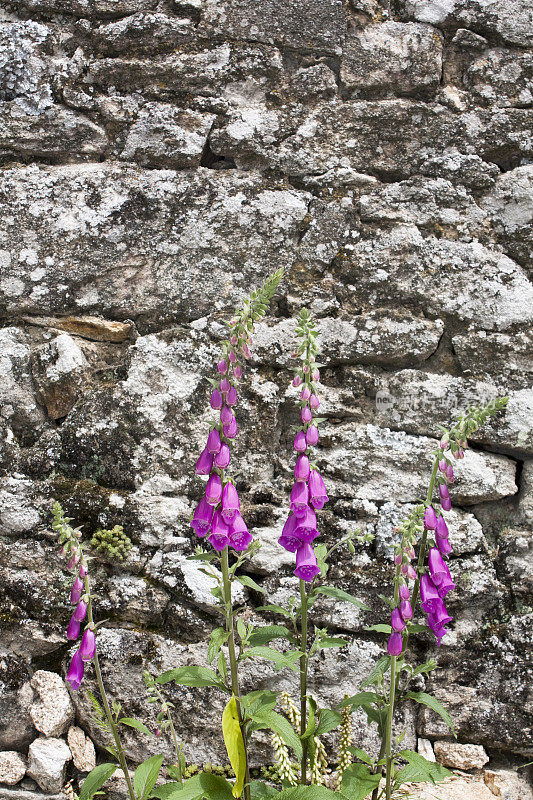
[146, 775]
[277, 723]
[234, 742]
[275, 610]
[258, 701]
[330, 641]
[310, 793]
[268, 633]
[431, 702]
[328, 720]
[360, 700]
[379, 628]
[380, 667]
[96, 779]
[245, 580]
[204, 785]
[419, 770]
[218, 637]
[362, 755]
[281, 660]
[262, 791]
[135, 723]
[192, 676]
[358, 781]
[340, 594]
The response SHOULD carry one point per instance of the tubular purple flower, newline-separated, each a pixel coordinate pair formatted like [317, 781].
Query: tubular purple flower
[299, 498]
[245, 350]
[430, 518]
[224, 385]
[306, 528]
[314, 402]
[439, 615]
[442, 529]
[230, 431]
[396, 621]
[405, 610]
[73, 561]
[239, 535]
[398, 558]
[306, 563]
[317, 489]
[442, 465]
[305, 369]
[204, 465]
[404, 592]
[315, 375]
[232, 356]
[288, 538]
[223, 457]
[447, 584]
[445, 501]
[301, 469]
[449, 473]
[318, 505]
[237, 372]
[429, 594]
[216, 400]
[233, 340]
[213, 490]
[80, 611]
[411, 572]
[222, 366]
[296, 381]
[444, 546]
[231, 396]
[437, 567]
[75, 671]
[226, 415]
[88, 645]
[395, 644]
[213, 442]
[305, 393]
[203, 515]
[300, 442]
[312, 435]
[73, 630]
[75, 592]
[219, 536]
[306, 414]
[230, 502]
[83, 569]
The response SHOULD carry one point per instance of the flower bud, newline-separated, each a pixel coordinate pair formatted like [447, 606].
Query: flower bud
[88, 645]
[301, 469]
[216, 400]
[232, 356]
[395, 644]
[316, 375]
[406, 610]
[396, 621]
[442, 529]
[230, 502]
[444, 546]
[445, 501]
[213, 442]
[226, 415]
[296, 381]
[75, 671]
[204, 465]
[237, 372]
[442, 465]
[300, 442]
[222, 366]
[75, 592]
[223, 457]
[311, 435]
[230, 430]
[430, 518]
[231, 396]
[213, 490]
[224, 385]
[306, 414]
[73, 629]
[314, 402]
[404, 592]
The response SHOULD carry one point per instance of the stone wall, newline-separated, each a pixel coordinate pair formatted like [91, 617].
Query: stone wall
[158, 159]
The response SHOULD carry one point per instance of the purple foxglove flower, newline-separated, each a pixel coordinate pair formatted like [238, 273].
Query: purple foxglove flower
[395, 644]
[157, 732]
[223, 457]
[224, 385]
[442, 529]
[444, 442]
[305, 393]
[439, 616]
[306, 528]
[314, 402]
[75, 671]
[316, 375]
[429, 595]
[239, 535]
[446, 585]
[80, 611]
[216, 400]
[233, 340]
[222, 366]
[231, 396]
[299, 498]
[398, 558]
[83, 569]
[245, 350]
[204, 465]
[405, 610]
[306, 414]
[75, 592]
[449, 473]
[444, 546]
[230, 502]
[437, 567]
[213, 490]
[301, 469]
[306, 563]
[404, 592]
[219, 536]
[73, 630]
[430, 518]
[318, 505]
[226, 415]
[439, 630]
[237, 372]
[459, 453]
[445, 501]
[296, 381]
[213, 442]
[300, 442]
[230, 431]
[442, 465]
[312, 435]
[88, 645]
[317, 489]
[396, 621]
[201, 521]
[411, 572]
[405, 569]
[288, 538]
[232, 356]
[73, 561]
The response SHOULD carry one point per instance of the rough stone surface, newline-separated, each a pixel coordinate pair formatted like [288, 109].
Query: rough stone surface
[460, 756]
[47, 759]
[12, 767]
[53, 711]
[82, 749]
[158, 159]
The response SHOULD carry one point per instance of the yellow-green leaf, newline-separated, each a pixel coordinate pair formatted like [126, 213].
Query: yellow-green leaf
[234, 744]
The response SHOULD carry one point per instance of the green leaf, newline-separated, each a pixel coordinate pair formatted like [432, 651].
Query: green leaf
[380, 628]
[340, 594]
[250, 583]
[234, 742]
[418, 770]
[328, 721]
[262, 791]
[261, 700]
[310, 793]
[218, 637]
[134, 723]
[268, 633]
[311, 722]
[358, 781]
[275, 610]
[362, 755]
[330, 641]
[192, 676]
[145, 776]
[362, 699]
[431, 702]
[204, 785]
[281, 726]
[281, 660]
[377, 673]
[96, 779]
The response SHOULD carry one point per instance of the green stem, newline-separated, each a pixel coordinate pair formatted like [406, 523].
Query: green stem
[177, 746]
[233, 658]
[390, 717]
[105, 702]
[303, 681]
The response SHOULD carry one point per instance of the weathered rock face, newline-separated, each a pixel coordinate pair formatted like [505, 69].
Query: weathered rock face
[158, 160]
